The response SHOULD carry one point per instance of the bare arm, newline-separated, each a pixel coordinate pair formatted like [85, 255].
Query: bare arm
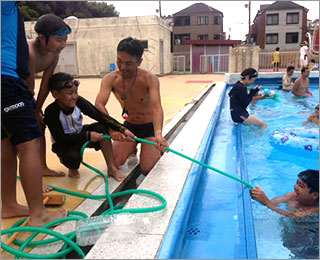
[258, 195]
[157, 112]
[44, 87]
[104, 94]
[101, 102]
[308, 120]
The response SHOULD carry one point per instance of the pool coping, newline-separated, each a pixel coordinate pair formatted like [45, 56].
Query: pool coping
[232, 78]
[168, 182]
[90, 206]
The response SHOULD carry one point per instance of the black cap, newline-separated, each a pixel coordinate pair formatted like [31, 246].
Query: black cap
[49, 24]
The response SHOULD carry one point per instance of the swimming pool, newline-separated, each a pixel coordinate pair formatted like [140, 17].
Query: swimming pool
[276, 173]
[217, 223]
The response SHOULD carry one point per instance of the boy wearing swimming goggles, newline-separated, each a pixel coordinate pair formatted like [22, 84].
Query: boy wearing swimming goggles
[44, 56]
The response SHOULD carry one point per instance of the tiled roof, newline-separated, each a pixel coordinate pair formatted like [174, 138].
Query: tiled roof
[281, 5]
[197, 9]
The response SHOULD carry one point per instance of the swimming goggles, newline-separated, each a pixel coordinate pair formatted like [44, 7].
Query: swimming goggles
[69, 84]
[254, 75]
[62, 32]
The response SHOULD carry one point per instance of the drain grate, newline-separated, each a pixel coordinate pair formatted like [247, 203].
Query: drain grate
[193, 231]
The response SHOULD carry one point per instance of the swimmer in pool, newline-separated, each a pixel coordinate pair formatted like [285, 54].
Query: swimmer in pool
[314, 117]
[304, 201]
[301, 85]
[240, 99]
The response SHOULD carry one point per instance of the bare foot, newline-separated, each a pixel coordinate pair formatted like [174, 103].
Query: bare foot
[47, 217]
[13, 211]
[116, 174]
[134, 154]
[46, 188]
[74, 173]
[52, 173]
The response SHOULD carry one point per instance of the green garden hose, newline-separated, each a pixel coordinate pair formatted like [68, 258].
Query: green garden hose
[67, 238]
[198, 162]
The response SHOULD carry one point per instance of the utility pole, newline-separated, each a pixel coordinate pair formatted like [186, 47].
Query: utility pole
[160, 8]
[249, 35]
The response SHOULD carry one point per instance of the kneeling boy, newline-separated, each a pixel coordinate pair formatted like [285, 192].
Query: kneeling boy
[64, 120]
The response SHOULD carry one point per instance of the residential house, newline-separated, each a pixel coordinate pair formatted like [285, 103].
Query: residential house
[196, 22]
[281, 24]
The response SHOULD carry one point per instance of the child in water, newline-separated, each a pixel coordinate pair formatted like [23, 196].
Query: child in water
[314, 117]
[304, 201]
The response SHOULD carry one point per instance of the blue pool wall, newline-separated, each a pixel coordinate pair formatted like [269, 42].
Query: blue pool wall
[172, 243]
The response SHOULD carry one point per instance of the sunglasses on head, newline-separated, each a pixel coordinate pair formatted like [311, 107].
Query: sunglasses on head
[62, 31]
[69, 84]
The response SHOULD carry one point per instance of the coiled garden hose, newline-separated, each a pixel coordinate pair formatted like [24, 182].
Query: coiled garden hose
[113, 210]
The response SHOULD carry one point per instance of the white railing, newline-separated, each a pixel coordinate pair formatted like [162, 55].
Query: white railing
[179, 64]
[286, 59]
[214, 63]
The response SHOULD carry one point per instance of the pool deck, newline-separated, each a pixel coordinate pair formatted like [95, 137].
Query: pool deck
[179, 93]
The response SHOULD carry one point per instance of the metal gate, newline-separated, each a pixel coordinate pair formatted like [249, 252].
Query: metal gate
[214, 63]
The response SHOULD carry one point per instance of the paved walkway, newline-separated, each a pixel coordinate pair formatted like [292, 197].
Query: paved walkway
[176, 92]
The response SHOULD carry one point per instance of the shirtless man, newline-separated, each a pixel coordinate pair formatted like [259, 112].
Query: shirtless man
[287, 82]
[301, 85]
[302, 202]
[137, 91]
[44, 55]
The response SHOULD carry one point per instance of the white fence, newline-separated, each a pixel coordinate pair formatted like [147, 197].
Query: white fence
[214, 63]
[179, 64]
[286, 59]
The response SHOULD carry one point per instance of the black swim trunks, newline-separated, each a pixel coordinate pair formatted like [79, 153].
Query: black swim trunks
[142, 131]
[18, 119]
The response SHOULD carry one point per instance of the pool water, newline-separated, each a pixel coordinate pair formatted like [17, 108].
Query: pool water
[278, 237]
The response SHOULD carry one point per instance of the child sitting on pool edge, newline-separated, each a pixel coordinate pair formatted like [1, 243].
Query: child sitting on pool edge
[302, 202]
[314, 117]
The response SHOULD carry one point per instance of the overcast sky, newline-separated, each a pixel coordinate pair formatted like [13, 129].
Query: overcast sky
[236, 16]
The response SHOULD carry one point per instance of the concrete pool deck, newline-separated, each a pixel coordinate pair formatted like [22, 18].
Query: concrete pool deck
[177, 92]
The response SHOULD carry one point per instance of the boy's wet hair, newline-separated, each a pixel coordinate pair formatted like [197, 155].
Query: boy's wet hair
[290, 68]
[50, 24]
[131, 46]
[277, 49]
[304, 68]
[252, 73]
[311, 179]
[317, 107]
[56, 80]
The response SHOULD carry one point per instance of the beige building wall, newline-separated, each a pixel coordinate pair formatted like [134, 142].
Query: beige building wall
[96, 41]
[284, 28]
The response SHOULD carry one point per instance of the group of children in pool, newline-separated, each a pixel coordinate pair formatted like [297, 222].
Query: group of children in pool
[305, 198]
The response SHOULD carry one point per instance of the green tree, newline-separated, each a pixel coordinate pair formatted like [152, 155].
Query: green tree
[32, 10]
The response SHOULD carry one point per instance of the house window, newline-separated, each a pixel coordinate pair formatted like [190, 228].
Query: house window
[216, 37]
[272, 38]
[179, 38]
[292, 18]
[292, 37]
[182, 21]
[144, 44]
[272, 19]
[216, 20]
[203, 20]
[203, 37]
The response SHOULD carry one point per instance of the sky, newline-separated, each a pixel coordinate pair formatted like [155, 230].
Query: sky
[236, 16]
